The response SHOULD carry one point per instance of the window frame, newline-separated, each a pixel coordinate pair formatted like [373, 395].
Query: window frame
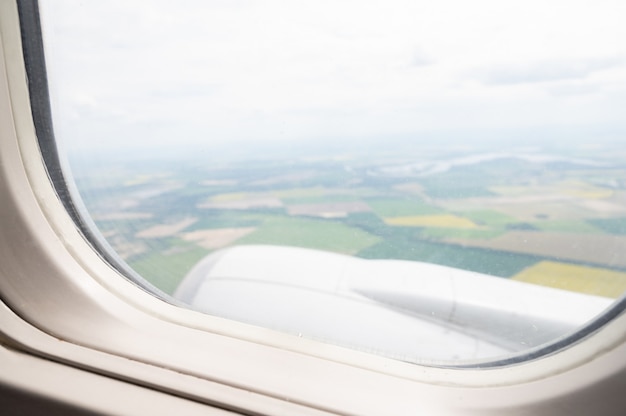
[63, 301]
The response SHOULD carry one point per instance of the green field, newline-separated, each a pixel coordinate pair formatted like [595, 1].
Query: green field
[466, 183]
[478, 260]
[568, 226]
[402, 207]
[318, 234]
[610, 225]
[165, 271]
[226, 219]
[439, 233]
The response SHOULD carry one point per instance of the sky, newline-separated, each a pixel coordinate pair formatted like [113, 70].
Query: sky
[136, 73]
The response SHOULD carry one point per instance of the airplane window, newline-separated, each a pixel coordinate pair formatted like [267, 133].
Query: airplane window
[436, 182]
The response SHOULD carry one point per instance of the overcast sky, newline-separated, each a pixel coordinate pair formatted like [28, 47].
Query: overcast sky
[149, 72]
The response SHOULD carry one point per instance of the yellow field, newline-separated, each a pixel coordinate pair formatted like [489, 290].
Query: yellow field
[590, 193]
[583, 279]
[577, 189]
[435, 221]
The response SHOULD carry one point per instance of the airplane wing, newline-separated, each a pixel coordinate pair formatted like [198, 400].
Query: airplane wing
[408, 310]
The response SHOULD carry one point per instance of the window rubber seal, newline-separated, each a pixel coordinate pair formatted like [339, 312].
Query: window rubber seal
[54, 162]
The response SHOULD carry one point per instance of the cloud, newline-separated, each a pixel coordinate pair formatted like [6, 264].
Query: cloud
[421, 58]
[569, 89]
[145, 71]
[546, 71]
[184, 91]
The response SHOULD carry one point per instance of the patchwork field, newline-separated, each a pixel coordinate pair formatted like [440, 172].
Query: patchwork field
[544, 219]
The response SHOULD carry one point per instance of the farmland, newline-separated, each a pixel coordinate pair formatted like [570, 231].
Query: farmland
[540, 216]
[584, 248]
[584, 279]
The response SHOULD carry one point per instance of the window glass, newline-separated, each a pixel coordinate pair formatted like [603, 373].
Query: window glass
[425, 180]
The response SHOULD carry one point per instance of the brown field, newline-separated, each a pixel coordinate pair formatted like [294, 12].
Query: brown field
[165, 230]
[216, 238]
[604, 207]
[125, 248]
[569, 188]
[318, 191]
[434, 221]
[589, 248]
[619, 197]
[528, 211]
[328, 210]
[583, 279]
[530, 208]
[244, 203]
[568, 200]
